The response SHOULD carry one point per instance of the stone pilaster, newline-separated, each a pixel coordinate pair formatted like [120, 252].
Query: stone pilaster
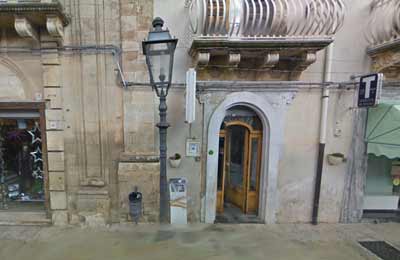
[55, 132]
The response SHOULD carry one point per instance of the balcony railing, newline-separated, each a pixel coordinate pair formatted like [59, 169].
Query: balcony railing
[384, 23]
[266, 18]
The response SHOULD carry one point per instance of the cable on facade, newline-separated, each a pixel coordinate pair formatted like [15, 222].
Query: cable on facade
[117, 53]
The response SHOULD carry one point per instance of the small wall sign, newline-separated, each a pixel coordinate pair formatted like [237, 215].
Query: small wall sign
[369, 92]
[192, 148]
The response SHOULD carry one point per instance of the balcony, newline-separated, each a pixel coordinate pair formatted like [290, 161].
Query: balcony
[271, 33]
[383, 36]
[27, 17]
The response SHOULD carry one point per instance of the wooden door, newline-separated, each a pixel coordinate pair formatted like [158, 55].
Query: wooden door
[237, 165]
[253, 173]
[221, 171]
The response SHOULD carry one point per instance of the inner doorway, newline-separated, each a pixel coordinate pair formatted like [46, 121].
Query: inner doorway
[239, 167]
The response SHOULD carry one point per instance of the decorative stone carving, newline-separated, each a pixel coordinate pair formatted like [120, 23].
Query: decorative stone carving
[55, 26]
[386, 59]
[234, 59]
[270, 60]
[305, 60]
[292, 56]
[202, 58]
[25, 29]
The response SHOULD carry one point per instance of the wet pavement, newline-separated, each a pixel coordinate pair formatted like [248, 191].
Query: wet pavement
[254, 241]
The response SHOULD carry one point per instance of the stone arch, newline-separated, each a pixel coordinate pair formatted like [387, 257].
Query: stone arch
[13, 83]
[272, 138]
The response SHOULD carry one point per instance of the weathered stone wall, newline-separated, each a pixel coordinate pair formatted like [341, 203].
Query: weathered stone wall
[139, 108]
[298, 164]
[146, 177]
[93, 111]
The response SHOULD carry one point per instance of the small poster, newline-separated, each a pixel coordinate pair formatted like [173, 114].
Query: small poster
[192, 148]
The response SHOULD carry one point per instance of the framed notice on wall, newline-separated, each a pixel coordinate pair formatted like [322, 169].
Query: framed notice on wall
[192, 148]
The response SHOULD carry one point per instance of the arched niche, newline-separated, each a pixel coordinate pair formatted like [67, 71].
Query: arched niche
[13, 83]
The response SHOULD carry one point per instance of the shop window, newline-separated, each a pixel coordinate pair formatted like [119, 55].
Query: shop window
[379, 177]
[21, 164]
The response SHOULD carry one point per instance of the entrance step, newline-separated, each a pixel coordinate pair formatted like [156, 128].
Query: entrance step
[34, 218]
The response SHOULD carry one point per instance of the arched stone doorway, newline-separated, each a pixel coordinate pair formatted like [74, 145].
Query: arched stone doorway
[239, 166]
[272, 136]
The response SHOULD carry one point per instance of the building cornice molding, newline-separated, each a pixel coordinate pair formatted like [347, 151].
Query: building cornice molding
[54, 8]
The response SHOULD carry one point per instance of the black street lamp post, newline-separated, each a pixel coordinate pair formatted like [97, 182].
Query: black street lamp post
[159, 49]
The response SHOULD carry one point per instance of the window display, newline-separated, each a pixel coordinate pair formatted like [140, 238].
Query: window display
[21, 163]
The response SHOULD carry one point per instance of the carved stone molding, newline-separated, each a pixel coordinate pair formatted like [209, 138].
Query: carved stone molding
[25, 29]
[305, 61]
[202, 59]
[270, 60]
[292, 56]
[386, 59]
[234, 59]
[55, 26]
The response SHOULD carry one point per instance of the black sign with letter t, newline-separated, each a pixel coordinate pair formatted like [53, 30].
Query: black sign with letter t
[370, 89]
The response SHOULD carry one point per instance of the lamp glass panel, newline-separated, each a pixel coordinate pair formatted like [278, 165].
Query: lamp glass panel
[159, 57]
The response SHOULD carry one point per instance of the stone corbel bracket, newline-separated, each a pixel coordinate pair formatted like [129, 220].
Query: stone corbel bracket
[305, 60]
[55, 26]
[25, 29]
[234, 59]
[270, 60]
[202, 59]
[292, 55]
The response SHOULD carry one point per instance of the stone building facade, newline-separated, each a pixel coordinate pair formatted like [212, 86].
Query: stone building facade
[81, 61]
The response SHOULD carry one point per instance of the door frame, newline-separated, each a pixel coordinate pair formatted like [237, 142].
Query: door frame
[40, 107]
[273, 119]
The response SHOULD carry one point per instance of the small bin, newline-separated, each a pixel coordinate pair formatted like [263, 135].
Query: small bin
[135, 206]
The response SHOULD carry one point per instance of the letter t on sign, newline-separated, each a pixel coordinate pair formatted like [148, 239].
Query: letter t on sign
[368, 81]
[370, 89]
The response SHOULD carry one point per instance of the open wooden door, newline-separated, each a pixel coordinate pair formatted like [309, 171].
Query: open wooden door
[237, 165]
[221, 171]
[253, 173]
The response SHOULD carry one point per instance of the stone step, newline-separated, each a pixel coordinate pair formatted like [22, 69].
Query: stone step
[25, 218]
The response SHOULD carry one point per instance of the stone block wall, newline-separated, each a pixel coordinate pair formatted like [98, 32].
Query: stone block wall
[146, 177]
[54, 131]
[138, 165]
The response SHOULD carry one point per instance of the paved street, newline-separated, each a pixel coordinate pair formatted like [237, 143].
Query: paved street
[195, 242]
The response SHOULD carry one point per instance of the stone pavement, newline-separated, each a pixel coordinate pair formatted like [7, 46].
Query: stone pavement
[194, 242]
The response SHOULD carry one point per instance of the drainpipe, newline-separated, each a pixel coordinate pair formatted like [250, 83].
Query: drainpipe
[322, 136]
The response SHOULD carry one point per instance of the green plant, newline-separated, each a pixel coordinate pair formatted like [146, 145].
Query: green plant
[176, 156]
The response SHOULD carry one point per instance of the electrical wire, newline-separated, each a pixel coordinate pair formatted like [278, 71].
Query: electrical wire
[117, 54]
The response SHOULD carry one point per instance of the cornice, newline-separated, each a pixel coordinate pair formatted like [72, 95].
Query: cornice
[55, 8]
